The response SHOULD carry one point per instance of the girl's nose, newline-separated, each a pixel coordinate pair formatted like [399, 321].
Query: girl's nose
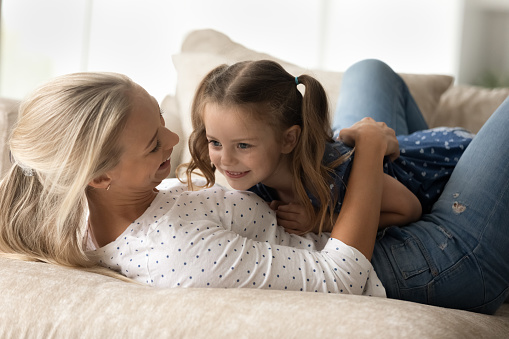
[227, 157]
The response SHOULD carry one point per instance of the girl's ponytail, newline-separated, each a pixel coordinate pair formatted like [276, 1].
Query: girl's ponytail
[307, 161]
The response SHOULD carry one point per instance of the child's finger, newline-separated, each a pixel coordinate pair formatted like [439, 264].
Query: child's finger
[289, 224]
[292, 231]
[290, 208]
[275, 204]
[291, 216]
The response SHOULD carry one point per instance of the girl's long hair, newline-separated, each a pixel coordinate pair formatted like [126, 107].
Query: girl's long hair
[67, 133]
[256, 86]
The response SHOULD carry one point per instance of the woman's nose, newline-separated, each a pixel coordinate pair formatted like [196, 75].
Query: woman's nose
[171, 139]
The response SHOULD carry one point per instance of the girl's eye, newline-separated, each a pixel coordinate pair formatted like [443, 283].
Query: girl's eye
[214, 143]
[243, 145]
[158, 146]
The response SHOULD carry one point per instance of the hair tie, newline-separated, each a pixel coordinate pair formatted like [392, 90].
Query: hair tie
[296, 80]
[27, 171]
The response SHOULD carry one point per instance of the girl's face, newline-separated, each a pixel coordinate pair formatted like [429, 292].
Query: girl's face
[147, 145]
[245, 150]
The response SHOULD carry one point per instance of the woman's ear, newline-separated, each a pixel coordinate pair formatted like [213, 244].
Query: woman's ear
[102, 181]
[290, 138]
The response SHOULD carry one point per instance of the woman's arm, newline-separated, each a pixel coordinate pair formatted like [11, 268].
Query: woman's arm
[358, 220]
[399, 205]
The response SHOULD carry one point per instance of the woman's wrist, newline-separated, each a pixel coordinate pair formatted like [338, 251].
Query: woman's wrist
[372, 145]
[376, 136]
[358, 220]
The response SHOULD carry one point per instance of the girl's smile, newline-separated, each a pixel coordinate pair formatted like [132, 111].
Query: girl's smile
[235, 175]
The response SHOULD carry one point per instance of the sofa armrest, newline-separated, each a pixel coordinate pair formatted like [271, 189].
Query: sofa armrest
[8, 116]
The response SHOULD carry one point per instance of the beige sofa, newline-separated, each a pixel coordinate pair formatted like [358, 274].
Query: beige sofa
[43, 301]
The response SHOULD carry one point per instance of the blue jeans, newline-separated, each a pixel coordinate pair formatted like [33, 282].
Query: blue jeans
[456, 256]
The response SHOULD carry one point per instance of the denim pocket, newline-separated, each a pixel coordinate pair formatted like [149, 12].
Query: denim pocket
[409, 258]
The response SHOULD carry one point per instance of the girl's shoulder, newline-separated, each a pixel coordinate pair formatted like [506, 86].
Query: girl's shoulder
[336, 150]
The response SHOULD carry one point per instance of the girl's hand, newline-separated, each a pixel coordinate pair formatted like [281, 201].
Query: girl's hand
[292, 217]
[377, 131]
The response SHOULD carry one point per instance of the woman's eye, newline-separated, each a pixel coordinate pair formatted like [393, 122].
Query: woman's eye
[158, 146]
[214, 143]
[243, 145]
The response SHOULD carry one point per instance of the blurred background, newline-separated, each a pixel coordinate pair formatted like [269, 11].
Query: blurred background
[40, 39]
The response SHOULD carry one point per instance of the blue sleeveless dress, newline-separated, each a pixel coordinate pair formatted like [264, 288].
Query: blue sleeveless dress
[427, 159]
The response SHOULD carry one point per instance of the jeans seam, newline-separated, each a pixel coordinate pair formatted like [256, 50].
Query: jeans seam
[398, 99]
[475, 309]
[394, 278]
[494, 208]
[481, 235]
[481, 272]
[427, 257]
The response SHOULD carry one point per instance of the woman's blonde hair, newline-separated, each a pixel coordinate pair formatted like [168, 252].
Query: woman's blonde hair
[269, 93]
[67, 133]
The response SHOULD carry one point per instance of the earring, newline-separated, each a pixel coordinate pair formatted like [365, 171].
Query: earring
[108, 188]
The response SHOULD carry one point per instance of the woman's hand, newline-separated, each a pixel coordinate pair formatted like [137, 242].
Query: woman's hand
[377, 131]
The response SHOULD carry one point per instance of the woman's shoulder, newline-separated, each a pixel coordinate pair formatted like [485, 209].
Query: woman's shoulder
[172, 184]
[172, 190]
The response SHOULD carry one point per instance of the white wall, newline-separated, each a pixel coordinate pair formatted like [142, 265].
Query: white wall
[412, 36]
[42, 39]
[37, 44]
[139, 37]
[485, 41]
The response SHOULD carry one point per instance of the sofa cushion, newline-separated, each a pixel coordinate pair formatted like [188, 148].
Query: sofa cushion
[468, 106]
[42, 300]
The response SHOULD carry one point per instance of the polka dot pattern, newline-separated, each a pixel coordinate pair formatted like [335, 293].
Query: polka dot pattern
[221, 238]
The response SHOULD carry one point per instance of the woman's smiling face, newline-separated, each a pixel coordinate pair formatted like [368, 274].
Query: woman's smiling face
[147, 146]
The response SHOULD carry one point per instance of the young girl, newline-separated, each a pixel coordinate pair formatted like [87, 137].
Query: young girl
[254, 126]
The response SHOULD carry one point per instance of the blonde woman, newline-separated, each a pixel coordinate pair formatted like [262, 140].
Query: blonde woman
[87, 189]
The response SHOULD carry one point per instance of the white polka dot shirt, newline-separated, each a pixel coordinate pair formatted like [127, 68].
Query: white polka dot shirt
[222, 238]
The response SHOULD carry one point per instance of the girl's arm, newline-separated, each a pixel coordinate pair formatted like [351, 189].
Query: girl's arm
[399, 205]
